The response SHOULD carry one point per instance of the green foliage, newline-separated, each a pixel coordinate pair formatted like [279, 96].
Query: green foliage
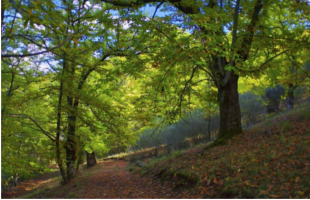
[90, 79]
[83, 92]
[177, 154]
[24, 149]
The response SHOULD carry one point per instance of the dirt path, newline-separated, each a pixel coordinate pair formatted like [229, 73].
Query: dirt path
[29, 186]
[109, 179]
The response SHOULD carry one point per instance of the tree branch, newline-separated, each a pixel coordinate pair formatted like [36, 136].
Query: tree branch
[157, 8]
[49, 135]
[31, 54]
[187, 9]
[247, 40]
[270, 59]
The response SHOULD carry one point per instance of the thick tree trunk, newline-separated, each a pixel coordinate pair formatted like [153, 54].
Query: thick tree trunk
[230, 114]
[72, 115]
[71, 149]
[91, 159]
[71, 145]
[71, 153]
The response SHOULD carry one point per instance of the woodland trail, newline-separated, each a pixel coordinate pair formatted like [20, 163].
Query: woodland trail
[108, 179]
[272, 160]
[29, 186]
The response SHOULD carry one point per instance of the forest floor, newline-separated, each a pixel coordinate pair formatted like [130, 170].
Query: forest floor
[271, 160]
[29, 186]
[108, 179]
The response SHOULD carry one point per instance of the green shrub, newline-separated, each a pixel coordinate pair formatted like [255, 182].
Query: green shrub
[177, 154]
[152, 162]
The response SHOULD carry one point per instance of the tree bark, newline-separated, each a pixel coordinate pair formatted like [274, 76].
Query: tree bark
[72, 115]
[72, 112]
[230, 114]
[58, 133]
[81, 156]
[91, 159]
[71, 145]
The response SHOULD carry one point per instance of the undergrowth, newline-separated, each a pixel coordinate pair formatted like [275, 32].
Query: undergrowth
[271, 160]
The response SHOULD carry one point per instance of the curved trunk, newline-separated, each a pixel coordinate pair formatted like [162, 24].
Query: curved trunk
[230, 114]
[91, 159]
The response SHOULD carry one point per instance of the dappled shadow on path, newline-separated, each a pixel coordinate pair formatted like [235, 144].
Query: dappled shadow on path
[111, 179]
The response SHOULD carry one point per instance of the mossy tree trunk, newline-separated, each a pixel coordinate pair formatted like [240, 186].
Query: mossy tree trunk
[71, 144]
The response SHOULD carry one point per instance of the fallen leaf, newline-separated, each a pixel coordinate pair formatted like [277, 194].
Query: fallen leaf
[214, 180]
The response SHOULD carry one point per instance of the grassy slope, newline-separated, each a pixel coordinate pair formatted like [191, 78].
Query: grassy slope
[272, 160]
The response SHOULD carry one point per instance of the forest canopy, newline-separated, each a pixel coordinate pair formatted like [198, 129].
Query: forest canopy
[92, 77]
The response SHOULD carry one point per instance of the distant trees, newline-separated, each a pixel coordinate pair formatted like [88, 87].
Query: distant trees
[298, 78]
[174, 136]
[273, 98]
[251, 105]
[293, 73]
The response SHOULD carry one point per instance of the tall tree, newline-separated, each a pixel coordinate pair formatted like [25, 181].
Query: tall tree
[229, 33]
[75, 40]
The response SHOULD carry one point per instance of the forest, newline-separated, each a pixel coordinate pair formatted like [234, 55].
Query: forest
[85, 81]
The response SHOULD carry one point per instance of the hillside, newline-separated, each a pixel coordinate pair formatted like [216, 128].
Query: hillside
[271, 160]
